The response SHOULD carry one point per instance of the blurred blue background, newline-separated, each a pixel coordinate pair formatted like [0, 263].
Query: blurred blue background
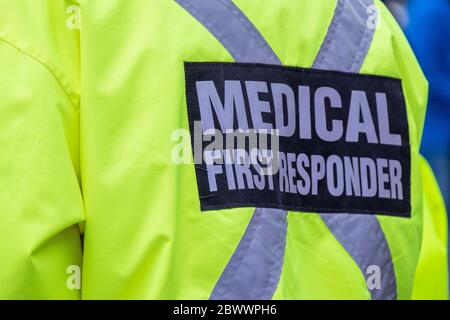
[427, 27]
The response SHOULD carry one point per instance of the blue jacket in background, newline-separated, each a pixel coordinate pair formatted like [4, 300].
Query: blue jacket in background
[429, 34]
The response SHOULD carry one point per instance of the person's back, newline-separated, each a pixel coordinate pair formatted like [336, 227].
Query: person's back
[145, 233]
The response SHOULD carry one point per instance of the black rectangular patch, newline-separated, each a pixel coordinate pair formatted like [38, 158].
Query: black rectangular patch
[339, 141]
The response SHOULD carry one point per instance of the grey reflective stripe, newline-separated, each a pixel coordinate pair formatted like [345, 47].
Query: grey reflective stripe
[254, 269]
[345, 49]
[348, 39]
[232, 28]
[363, 238]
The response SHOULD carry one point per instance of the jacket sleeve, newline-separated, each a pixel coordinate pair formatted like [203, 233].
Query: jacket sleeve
[431, 279]
[40, 198]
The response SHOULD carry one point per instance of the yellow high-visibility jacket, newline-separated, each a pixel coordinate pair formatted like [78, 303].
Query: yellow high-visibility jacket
[92, 97]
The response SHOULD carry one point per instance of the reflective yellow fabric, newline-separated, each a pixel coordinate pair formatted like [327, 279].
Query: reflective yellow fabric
[431, 281]
[98, 108]
[40, 197]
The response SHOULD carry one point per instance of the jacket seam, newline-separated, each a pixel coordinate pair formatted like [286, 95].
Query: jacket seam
[67, 91]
